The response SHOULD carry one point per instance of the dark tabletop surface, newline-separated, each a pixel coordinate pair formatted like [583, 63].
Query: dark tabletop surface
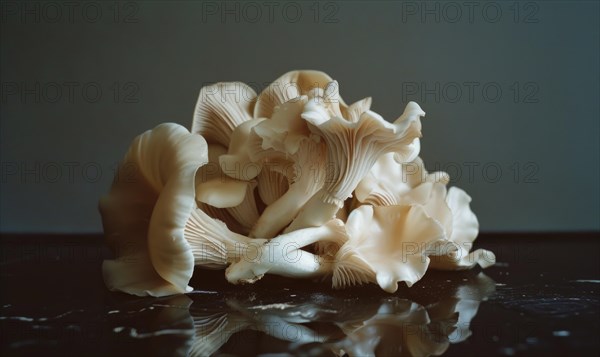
[542, 298]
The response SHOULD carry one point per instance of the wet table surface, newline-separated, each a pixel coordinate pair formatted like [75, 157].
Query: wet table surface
[542, 298]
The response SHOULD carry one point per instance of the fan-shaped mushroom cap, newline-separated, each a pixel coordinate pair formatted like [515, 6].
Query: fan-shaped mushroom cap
[387, 244]
[289, 86]
[388, 180]
[354, 147]
[453, 254]
[145, 213]
[222, 107]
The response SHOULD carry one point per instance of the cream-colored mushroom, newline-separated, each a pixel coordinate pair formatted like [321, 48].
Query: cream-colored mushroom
[213, 245]
[146, 211]
[388, 180]
[454, 254]
[308, 164]
[284, 256]
[387, 245]
[289, 86]
[216, 189]
[352, 150]
[220, 108]
[288, 160]
[284, 144]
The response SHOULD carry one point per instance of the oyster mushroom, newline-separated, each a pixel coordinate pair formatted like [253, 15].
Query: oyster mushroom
[308, 164]
[386, 245]
[388, 180]
[297, 153]
[392, 183]
[450, 208]
[237, 165]
[288, 87]
[213, 245]
[454, 253]
[283, 144]
[352, 150]
[216, 189]
[220, 109]
[144, 215]
[283, 255]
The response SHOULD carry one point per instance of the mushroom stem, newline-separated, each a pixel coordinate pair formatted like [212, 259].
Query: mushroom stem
[290, 261]
[316, 211]
[283, 255]
[280, 213]
[308, 178]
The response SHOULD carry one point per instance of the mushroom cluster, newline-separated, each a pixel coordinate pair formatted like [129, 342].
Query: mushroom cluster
[292, 182]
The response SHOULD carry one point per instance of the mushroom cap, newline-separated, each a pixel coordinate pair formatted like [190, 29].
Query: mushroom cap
[291, 85]
[146, 210]
[387, 244]
[454, 254]
[220, 108]
[353, 147]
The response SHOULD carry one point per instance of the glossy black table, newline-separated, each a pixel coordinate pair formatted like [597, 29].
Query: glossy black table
[540, 299]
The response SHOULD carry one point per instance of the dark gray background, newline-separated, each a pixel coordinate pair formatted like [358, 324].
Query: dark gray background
[543, 137]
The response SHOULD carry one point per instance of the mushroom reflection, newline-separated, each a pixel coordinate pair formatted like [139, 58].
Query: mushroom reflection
[336, 324]
[403, 327]
[156, 327]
